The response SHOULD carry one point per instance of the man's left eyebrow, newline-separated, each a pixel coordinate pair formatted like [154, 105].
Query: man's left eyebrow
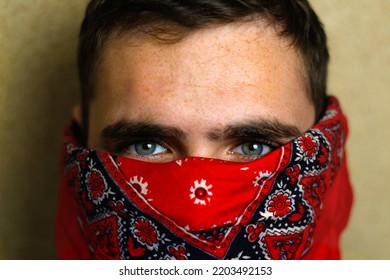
[263, 130]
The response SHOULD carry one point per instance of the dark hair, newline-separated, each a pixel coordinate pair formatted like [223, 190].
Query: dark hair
[174, 19]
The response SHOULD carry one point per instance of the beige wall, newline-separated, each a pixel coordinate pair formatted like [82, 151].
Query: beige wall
[38, 86]
[359, 38]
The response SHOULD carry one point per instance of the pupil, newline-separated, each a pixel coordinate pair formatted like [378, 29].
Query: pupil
[252, 149]
[146, 146]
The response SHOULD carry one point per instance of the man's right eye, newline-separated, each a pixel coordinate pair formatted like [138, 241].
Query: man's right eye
[146, 148]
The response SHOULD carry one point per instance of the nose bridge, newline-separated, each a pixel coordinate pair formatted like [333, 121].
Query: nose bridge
[198, 146]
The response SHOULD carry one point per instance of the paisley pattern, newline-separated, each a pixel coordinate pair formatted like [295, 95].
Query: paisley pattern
[199, 208]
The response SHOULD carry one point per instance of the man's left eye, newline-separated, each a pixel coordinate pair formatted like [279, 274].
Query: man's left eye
[252, 149]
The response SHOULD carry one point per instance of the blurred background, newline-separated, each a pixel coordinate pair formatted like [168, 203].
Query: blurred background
[39, 87]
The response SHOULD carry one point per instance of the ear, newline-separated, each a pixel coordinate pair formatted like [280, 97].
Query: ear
[77, 116]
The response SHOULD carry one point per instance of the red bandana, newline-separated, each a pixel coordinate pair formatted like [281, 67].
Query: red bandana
[292, 203]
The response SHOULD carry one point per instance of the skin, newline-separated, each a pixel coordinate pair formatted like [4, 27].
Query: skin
[232, 92]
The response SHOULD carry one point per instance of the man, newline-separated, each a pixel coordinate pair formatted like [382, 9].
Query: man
[214, 133]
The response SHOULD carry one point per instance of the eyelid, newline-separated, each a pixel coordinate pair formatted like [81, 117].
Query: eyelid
[248, 158]
[120, 147]
[274, 144]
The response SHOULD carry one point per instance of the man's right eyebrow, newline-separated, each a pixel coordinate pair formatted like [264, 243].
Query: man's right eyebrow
[124, 129]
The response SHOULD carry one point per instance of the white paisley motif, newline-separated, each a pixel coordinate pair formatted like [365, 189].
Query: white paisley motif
[262, 175]
[143, 186]
[200, 192]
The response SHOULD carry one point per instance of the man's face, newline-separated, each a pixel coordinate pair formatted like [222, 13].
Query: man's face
[233, 92]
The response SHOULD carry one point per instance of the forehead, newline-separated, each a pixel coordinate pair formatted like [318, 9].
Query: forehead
[251, 42]
[238, 67]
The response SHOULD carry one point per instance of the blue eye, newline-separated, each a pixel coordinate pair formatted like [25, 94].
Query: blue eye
[252, 149]
[146, 149]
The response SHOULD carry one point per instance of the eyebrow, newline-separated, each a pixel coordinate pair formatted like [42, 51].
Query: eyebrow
[269, 130]
[273, 131]
[125, 129]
